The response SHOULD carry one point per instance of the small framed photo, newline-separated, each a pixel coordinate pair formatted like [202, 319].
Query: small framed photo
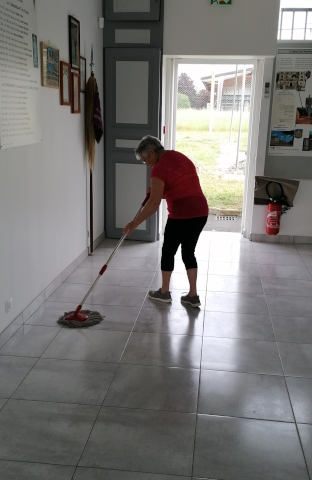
[75, 92]
[74, 42]
[83, 79]
[50, 66]
[65, 72]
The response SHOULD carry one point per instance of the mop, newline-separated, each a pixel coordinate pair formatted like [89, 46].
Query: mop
[86, 318]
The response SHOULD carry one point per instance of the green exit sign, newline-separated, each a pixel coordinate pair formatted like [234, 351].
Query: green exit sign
[221, 2]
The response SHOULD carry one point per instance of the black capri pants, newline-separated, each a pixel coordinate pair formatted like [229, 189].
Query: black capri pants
[184, 232]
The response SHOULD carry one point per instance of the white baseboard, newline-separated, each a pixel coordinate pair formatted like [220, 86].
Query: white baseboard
[98, 241]
[299, 239]
[262, 237]
[22, 318]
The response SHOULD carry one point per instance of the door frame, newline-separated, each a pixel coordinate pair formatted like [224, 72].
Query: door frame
[115, 155]
[169, 107]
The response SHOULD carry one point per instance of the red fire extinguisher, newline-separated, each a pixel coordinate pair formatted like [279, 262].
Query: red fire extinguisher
[273, 218]
[274, 211]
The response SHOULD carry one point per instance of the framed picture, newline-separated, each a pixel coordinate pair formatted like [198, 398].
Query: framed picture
[65, 73]
[83, 79]
[50, 66]
[74, 42]
[75, 92]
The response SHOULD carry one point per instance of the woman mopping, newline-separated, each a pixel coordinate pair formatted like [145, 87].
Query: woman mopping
[174, 178]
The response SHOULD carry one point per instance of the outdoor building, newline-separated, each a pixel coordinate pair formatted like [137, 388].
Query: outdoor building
[225, 93]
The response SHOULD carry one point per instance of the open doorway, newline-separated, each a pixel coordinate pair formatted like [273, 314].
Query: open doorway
[211, 127]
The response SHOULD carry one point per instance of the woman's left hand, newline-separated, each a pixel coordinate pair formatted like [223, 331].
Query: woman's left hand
[129, 228]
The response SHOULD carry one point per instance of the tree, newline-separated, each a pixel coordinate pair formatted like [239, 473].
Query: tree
[187, 87]
[202, 98]
[183, 101]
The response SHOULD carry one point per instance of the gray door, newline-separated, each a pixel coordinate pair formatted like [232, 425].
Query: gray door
[132, 97]
[130, 10]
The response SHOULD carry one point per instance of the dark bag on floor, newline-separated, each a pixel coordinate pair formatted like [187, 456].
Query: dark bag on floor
[268, 188]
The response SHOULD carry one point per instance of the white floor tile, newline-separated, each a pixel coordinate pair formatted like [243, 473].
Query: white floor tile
[118, 400]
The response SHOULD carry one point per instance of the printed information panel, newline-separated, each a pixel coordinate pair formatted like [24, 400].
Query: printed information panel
[291, 122]
[19, 74]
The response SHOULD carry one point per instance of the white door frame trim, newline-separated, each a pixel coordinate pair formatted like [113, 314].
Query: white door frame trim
[252, 148]
[169, 103]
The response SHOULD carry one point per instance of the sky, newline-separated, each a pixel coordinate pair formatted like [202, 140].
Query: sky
[296, 4]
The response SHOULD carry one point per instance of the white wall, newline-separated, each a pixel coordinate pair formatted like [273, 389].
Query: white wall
[43, 187]
[198, 28]
[297, 221]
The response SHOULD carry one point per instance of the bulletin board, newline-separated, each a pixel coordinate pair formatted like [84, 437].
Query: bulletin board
[289, 150]
[19, 74]
[291, 120]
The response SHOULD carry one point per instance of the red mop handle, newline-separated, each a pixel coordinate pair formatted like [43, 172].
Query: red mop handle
[111, 257]
[123, 237]
[144, 203]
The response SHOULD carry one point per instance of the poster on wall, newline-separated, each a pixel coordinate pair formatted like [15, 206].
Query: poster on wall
[291, 121]
[19, 74]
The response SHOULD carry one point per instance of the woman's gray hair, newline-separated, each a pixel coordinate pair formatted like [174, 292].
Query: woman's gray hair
[148, 143]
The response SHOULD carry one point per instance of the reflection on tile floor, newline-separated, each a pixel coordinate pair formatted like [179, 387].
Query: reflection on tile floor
[166, 392]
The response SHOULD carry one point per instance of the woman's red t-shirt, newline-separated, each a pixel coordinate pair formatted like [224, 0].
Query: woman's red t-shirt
[182, 190]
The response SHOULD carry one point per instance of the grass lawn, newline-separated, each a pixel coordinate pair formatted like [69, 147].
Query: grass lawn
[203, 148]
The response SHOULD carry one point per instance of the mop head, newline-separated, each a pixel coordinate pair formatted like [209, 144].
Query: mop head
[93, 319]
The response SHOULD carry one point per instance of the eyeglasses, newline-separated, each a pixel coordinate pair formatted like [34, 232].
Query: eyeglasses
[143, 160]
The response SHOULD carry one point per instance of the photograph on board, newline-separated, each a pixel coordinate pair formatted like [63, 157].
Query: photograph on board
[292, 80]
[282, 138]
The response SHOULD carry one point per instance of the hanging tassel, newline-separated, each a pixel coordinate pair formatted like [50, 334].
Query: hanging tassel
[90, 135]
[97, 118]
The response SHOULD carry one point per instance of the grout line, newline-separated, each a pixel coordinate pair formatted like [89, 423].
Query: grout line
[182, 412]
[257, 340]
[197, 403]
[23, 325]
[91, 468]
[287, 389]
[38, 358]
[111, 381]
[37, 462]
[140, 472]
[200, 370]
[166, 366]
[292, 409]
[300, 255]
[159, 366]
[118, 364]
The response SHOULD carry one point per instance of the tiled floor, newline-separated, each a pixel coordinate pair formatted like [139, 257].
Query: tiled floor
[158, 392]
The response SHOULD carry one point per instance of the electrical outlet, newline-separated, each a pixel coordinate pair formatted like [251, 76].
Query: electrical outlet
[8, 305]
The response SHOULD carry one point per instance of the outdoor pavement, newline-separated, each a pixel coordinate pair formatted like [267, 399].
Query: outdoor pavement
[214, 225]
